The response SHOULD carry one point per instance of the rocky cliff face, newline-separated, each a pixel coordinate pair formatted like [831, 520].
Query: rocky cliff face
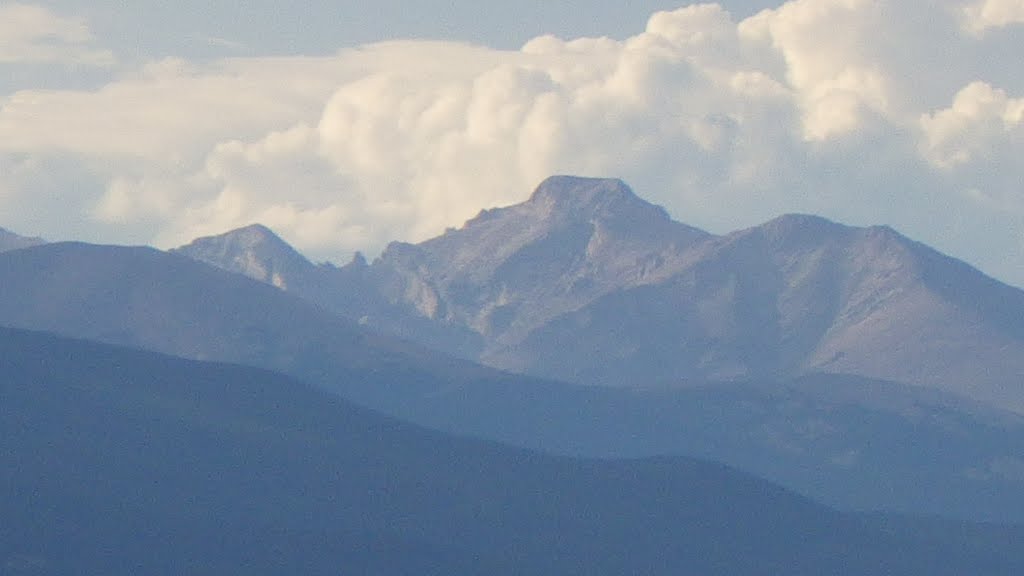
[511, 270]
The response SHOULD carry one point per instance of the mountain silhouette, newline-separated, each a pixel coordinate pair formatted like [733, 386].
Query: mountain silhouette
[118, 461]
[586, 282]
[848, 441]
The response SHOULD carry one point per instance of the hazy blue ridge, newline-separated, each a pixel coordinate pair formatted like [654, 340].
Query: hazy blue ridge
[118, 461]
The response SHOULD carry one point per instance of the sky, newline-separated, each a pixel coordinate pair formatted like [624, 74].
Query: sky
[344, 127]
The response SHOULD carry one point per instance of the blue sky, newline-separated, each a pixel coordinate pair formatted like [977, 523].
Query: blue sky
[185, 28]
[344, 127]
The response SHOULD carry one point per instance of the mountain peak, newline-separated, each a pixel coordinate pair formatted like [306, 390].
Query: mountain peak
[577, 190]
[609, 200]
[792, 230]
[254, 250]
[801, 223]
[251, 237]
[254, 234]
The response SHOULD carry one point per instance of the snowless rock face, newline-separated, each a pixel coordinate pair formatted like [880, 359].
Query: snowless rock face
[254, 251]
[587, 282]
[510, 270]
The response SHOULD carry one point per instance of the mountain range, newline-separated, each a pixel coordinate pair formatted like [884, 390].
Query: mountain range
[853, 442]
[586, 282]
[118, 461]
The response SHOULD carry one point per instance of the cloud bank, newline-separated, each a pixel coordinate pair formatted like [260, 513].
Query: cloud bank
[983, 15]
[908, 113]
[34, 34]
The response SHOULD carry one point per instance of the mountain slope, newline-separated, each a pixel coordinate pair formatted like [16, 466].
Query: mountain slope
[510, 270]
[798, 295]
[588, 283]
[254, 251]
[11, 241]
[852, 443]
[142, 297]
[123, 462]
[506, 272]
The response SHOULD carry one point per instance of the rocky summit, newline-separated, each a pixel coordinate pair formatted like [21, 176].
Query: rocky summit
[255, 251]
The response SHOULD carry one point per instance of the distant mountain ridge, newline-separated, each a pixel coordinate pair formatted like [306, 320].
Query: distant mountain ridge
[122, 462]
[588, 283]
[707, 345]
[11, 241]
[255, 251]
[852, 443]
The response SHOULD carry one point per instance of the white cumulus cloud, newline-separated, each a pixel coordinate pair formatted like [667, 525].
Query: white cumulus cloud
[869, 111]
[982, 121]
[34, 34]
[983, 15]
